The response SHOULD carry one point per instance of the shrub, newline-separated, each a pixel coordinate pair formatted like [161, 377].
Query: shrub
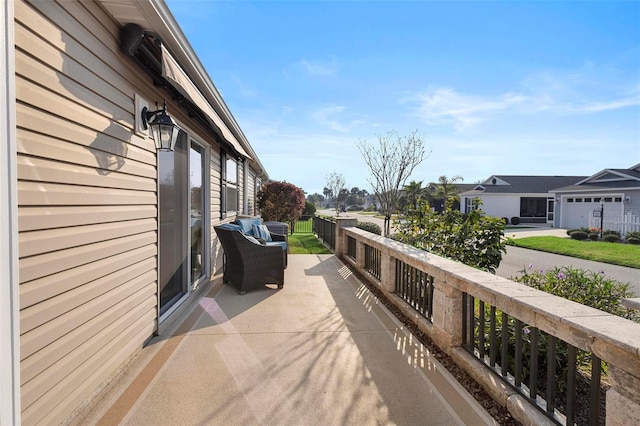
[370, 226]
[506, 220]
[579, 235]
[611, 238]
[611, 232]
[474, 239]
[594, 236]
[633, 234]
[633, 240]
[583, 229]
[586, 287]
[515, 220]
[309, 209]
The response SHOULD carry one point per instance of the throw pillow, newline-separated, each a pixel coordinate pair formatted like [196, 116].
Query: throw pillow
[261, 231]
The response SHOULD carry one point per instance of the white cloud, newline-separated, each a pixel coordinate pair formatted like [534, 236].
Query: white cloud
[326, 116]
[445, 105]
[319, 67]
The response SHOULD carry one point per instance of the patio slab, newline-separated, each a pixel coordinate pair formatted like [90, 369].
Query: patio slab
[319, 351]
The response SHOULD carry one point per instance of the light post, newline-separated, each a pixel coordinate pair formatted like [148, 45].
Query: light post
[601, 216]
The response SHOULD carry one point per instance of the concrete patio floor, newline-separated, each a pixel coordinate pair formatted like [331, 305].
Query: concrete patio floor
[321, 351]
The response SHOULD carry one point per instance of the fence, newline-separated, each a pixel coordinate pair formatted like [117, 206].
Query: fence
[304, 225]
[518, 342]
[325, 229]
[621, 222]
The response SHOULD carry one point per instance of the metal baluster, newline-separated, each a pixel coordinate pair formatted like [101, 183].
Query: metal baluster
[551, 373]
[518, 373]
[533, 364]
[504, 354]
[571, 385]
[481, 324]
[492, 337]
[594, 409]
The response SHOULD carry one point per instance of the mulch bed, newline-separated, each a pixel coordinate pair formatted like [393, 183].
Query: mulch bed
[497, 411]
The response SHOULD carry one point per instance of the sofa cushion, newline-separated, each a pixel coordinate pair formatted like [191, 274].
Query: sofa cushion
[247, 224]
[261, 231]
[282, 244]
[231, 227]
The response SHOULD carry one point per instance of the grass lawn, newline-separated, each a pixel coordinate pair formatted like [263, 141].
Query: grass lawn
[300, 243]
[614, 253]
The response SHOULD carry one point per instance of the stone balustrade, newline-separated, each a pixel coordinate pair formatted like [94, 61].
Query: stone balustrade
[611, 338]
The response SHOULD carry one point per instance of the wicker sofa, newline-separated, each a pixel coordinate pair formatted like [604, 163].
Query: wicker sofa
[250, 264]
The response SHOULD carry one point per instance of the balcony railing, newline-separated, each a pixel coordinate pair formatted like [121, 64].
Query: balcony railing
[498, 331]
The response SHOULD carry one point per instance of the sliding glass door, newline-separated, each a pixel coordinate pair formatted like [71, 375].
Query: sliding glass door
[182, 217]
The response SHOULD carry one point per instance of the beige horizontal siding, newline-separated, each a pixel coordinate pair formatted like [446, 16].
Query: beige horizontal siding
[35, 218]
[87, 196]
[65, 395]
[42, 360]
[51, 263]
[51, 194]
[51, 240]
[42, 289]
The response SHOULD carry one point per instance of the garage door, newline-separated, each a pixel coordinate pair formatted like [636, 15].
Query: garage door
[577, 210]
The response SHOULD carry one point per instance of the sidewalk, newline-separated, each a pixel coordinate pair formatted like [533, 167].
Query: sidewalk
[321, 351]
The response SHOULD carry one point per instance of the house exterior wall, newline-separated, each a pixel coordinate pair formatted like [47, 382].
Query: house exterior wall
[497, 205]
[87, 214]
[576, 215]
[87, 204]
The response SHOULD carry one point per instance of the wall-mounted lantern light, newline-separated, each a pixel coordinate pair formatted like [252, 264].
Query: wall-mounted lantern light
[163, 130]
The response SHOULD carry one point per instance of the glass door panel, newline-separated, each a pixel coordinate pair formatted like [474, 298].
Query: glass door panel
[173, 245]
[197, 211]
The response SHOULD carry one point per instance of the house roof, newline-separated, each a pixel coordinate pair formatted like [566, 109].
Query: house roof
[606, 179]
[507, 184]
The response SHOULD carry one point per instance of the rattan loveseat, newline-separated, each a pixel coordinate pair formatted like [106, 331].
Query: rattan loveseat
[249, 264]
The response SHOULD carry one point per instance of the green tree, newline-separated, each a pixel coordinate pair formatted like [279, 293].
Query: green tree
[316, 199]
[474, 239]
[414, 193]
[281, 202]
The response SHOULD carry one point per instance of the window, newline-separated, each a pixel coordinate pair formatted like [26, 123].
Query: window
[229, 186]
[578, 200]
[607, 199]
[533, 207]
[569, 200]
[587, 200]
[618, 199]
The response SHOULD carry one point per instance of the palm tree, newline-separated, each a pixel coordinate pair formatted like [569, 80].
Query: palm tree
[414, 193]
[447, 188]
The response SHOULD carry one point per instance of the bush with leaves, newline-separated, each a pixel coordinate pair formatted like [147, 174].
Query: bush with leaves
[473, 239]
[579, 235]
[632, 234]
[281, 202]
[611, 238]
[586, 287]
[309, 209]
[369, 226]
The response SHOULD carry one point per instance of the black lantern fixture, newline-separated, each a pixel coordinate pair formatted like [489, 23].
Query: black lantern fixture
[163, 130]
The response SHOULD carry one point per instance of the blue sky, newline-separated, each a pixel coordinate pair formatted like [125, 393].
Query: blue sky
[527, 88]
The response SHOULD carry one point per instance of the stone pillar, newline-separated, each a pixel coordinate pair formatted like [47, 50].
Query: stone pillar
[360, 255]
[341, 238]
[447, 318]
[623, 399]
[387, 272]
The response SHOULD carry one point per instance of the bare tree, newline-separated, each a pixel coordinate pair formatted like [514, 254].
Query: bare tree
[391, 162]
[335, 185]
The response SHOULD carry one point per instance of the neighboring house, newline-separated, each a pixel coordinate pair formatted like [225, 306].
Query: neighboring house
[578, 205]
[103, 237]
[525, 197]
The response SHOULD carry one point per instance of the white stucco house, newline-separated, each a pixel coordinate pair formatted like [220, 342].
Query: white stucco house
[579, 204]
[525, 197]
